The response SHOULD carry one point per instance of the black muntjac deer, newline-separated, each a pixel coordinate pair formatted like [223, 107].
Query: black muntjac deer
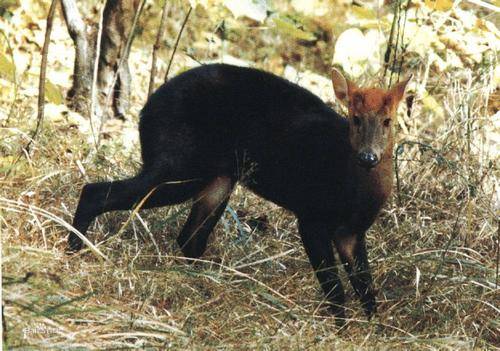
[216, 125]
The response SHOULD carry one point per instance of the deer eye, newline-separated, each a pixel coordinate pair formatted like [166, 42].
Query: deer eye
[356, 120]
[387, 122]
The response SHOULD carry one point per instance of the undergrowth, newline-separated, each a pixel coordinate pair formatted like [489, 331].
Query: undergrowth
[434, 249]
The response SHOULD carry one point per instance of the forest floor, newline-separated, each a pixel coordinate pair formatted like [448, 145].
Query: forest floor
[434, 250]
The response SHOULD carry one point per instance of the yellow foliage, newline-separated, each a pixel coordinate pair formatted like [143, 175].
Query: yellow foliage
[285, 25]
[203, 3]
[366, 17]
[7, 68]
[439, 5]
[364, 12]
[496, 76]
[53, 93]
[431, 104]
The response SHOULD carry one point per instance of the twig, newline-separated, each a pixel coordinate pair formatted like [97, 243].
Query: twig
[150, 235]
[192, 57]
[396, 41]
[399, 41]
[498, 253]
[242, 275]
[395, 53]
[387, 54]
[156, 46]
[17, 206]
[440, 159]
[454, 233]
[177, 42]
[93, 86]
[403, 46]
[485, 5]
[41, 87]
[4, 325]
[43, 73]
[399, 150]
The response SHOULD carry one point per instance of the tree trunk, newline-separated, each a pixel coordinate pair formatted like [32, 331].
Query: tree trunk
[84, 37]
[113, 73]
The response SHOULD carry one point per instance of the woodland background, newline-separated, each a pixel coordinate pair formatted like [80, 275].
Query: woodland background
[434, 250]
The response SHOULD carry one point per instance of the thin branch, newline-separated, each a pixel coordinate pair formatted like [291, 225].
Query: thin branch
[41, 86]
[396, 46]
[156, 46]
[485, 5]
[95, 72]
[403, 46]
[498, 254]
[43, 73]
[454, 234]
[177, 43]
[387, 55]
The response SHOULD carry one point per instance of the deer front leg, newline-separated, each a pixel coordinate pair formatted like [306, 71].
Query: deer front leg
[352, 251]
[318, 245]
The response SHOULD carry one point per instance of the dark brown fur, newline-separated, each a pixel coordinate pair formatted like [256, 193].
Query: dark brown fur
[216, 125]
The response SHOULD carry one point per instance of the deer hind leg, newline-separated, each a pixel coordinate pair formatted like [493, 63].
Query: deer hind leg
[145, 189]
[208, 207]
[351, 248]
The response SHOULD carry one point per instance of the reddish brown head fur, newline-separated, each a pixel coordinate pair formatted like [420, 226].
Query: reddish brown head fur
[369, 100]
[371, 111]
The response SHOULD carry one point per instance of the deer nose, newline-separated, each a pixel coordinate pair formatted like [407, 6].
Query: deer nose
[367, 159]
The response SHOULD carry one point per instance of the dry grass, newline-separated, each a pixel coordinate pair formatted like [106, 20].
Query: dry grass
[434, 251]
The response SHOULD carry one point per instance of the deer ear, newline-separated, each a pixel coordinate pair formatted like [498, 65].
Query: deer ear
[398, 91]
[341, 86]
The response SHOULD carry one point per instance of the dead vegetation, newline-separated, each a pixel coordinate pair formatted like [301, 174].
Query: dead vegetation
[434, 250]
